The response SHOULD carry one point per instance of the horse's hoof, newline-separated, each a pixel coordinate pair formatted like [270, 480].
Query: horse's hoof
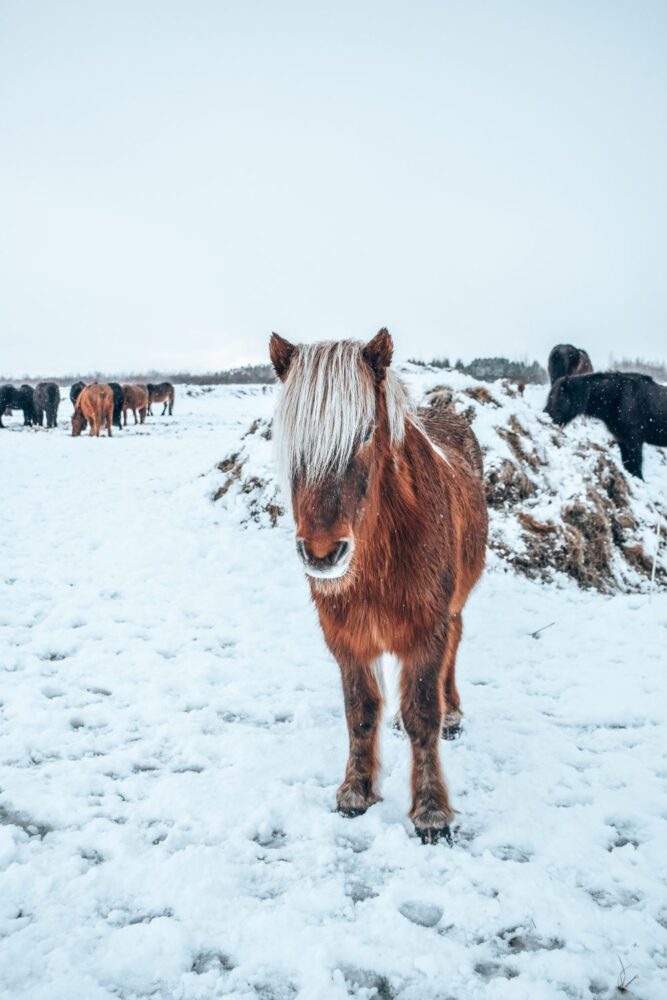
[434, 834]
[351, 812]
[350, 802]
[451, 732]
[432, 823]
[451, 725]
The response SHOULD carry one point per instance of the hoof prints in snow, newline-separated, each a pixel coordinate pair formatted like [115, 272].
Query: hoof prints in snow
[421, 914]
[212, 961]
[8, 817]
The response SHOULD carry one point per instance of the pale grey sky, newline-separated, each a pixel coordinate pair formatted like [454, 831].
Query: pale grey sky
[179, 179]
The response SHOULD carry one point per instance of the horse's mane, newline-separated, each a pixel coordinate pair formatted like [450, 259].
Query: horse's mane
[326, 406]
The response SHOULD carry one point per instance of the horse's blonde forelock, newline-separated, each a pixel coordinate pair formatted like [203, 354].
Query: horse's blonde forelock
[326, 404]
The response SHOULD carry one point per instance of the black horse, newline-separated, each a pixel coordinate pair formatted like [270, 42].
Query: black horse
[75, 390]
[12, 398]
[47, 401]
[633, 407]
[565, 359]
[117, 391]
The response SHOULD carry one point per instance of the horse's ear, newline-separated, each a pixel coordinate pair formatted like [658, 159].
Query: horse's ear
[378, 353]
[281, 355]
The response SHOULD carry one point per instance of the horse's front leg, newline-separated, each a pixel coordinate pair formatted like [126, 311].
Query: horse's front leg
[363, 707]
[422, 708]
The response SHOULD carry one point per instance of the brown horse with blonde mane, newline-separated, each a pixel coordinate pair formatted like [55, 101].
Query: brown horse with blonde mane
[391, 528]
[94, 405]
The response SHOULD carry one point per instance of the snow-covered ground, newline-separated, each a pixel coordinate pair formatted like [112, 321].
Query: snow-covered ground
[172, 735]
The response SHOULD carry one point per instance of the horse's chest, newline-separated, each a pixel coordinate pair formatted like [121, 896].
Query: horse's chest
[371, 624]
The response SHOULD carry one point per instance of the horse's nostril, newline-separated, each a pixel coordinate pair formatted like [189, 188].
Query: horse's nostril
[341, 551]
[331, 558]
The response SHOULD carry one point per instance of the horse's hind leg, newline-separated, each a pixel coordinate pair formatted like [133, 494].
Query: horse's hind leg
[451, 723]
[631, 454]
[164, 408]
[363, 704]
[422, 704]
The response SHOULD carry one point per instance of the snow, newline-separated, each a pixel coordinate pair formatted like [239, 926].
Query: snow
[172, 736]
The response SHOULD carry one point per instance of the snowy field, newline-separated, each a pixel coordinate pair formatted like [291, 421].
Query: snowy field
[172, 736]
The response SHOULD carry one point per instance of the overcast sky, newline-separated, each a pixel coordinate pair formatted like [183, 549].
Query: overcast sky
[179, 179]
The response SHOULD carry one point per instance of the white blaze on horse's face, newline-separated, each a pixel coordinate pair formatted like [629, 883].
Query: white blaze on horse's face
[325, 435]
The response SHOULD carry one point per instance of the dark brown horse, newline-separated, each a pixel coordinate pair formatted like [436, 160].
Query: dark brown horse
[391, 528]
[162, 393]
[135, 397]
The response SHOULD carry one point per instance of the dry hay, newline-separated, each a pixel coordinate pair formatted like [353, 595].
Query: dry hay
[258, 492]
[481, 395]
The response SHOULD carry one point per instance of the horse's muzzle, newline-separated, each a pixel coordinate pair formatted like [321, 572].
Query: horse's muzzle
[329, 567]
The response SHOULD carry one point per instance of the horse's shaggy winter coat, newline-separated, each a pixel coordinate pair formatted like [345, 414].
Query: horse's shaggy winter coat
[391, 528]
[633, 407]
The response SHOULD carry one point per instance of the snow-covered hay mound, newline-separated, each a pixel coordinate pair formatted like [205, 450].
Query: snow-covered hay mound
[560, 502]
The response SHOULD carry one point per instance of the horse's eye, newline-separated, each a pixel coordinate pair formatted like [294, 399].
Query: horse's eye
[367, 435]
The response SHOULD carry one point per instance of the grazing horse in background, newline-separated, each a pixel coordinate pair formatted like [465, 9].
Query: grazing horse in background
[135, 397]
[118, 396]
[391, 528]
[565, 359]
[162, 393]
[23, 399]
[633, 407]
[74, 394]
[47, 401]
[26, 401]
[94, 405]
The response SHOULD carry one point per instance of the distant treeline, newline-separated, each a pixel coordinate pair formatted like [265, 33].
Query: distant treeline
[656, 369]
[257, 374]
[490, 369]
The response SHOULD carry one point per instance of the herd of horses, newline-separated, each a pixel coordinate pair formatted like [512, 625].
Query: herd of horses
[390, 526]
[100, 405]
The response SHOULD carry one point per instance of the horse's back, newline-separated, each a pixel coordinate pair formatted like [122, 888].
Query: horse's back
[452, 432]
[95, 398]
[462, 491]
[135, 395]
